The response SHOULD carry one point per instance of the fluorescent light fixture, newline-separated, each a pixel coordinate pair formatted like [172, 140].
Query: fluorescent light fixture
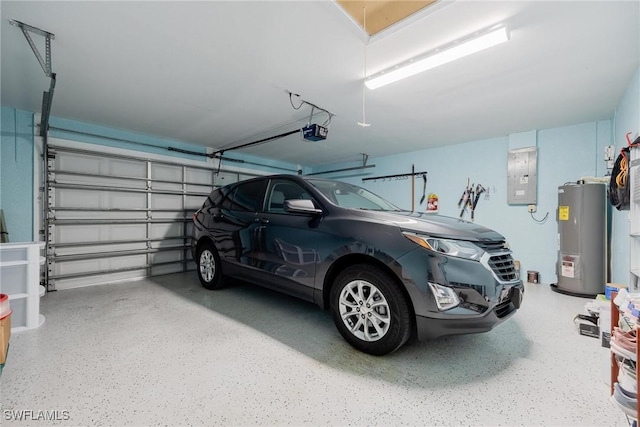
[450, 52]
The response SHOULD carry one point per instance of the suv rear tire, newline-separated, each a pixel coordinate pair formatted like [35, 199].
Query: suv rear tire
[369, 310]
[208, 265]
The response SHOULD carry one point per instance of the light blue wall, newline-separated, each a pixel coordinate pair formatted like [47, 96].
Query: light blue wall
[564, 154]
[626, 119]
[16, 173]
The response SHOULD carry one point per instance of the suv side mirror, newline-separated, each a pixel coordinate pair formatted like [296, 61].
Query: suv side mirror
[301, 206]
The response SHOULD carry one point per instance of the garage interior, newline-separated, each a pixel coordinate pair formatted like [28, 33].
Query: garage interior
[119, 118]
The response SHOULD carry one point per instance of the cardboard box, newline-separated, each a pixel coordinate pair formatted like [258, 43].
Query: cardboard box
[5, 335]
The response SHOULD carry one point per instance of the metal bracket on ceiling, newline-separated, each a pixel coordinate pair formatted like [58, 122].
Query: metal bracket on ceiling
[47, 97]
[26, 28]
[313, 108]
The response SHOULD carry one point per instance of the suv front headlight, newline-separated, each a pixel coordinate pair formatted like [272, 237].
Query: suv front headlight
[457, 248]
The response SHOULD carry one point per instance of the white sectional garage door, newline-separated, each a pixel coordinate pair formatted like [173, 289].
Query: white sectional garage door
[115, 216]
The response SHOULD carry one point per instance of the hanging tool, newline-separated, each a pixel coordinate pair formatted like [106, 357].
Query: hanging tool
[424, 188]
[413, 188]
[479, 190]
[464, 199]
[463, 194]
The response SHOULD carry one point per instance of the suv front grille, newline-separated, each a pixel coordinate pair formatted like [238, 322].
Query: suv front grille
[503, 267]
[492, 245]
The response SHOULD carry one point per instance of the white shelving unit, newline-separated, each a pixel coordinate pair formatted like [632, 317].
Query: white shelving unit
[20, 279]
[634, 219]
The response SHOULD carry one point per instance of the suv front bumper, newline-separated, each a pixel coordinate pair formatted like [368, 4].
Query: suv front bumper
[431, 327]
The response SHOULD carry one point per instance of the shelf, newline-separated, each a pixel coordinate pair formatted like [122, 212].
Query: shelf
[6, 264]
[615, 316]
[20, 277]
[41, 320]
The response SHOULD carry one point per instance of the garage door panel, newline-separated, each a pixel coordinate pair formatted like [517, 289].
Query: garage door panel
[100, 264]
[225, 178]
[98, 215]
[99, 199]
[99, 248]
[168, 243]
[199, 176]
[77, 198]
[166, 172]
[79, 163]
[189, 228]
[89, 180]
[166, 256]
[195, 202]
[118, 200]
[167, 230]
[99, 232]
[198, 190]
[117, 214]
[166, 186]
[77, 282]
[168, 216]
[166, 201]
[91, 164]
[166, 269]
[120, 167]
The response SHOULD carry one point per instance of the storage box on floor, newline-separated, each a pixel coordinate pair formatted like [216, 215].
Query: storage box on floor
[5, 329]
[596, 322]
[591, 322]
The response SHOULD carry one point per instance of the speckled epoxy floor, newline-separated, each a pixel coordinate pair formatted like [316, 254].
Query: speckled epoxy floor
[165, 351]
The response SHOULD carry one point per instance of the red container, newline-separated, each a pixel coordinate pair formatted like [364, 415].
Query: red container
[5, 328]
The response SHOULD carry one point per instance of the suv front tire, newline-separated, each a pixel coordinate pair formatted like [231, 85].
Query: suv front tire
[369, 310]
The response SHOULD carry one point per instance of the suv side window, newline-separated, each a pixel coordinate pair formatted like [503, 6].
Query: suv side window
[248, 196]
[281, 190]
[226, 197]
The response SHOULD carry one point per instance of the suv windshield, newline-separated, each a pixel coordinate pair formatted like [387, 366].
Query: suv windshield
[351, 196]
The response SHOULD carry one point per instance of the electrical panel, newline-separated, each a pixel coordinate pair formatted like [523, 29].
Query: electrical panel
[522, 176]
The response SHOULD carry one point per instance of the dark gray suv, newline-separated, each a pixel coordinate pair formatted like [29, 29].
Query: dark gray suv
[384, 273]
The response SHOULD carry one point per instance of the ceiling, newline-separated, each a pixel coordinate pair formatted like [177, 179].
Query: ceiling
[218, 73]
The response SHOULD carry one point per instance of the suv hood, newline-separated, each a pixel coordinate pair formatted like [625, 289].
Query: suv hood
[433, 225]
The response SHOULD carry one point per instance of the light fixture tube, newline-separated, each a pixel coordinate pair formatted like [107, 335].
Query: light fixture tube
[440, 56]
